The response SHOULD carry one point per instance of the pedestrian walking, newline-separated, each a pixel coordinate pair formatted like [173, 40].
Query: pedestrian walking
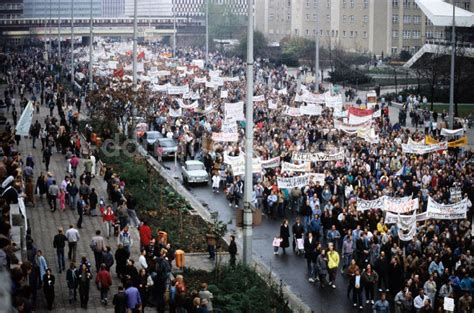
[322, 267]
[53, 192]
[72, 280]
[121, 257]
[41, 265]
[103, 281]
[145, 234]
[333, 264]
[85, 278]
[59, 243]
[232, 249]
[46, 157]
[73, 237]
[285, 235]
[134, 300]
[97, 246]
[108, 218]
[382, 305]
[48, 288]
[81, 207]
[120, 301]
[125, 239]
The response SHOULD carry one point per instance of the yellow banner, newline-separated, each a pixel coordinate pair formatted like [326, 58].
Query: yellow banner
[461, 142]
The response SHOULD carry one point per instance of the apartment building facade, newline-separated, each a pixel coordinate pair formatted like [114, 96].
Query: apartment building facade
[380, 27]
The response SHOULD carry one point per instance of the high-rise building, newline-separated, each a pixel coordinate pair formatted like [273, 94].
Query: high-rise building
[377, 26]
[113, 8]
[61, 8]
[11, 9]
[149, 8]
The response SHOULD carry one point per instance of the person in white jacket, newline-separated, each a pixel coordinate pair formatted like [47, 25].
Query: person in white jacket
[216, 181]
[419, 301]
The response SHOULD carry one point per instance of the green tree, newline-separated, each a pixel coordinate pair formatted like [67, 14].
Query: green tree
[260, 46]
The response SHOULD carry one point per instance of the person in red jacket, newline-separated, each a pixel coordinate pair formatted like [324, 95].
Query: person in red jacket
[145, 235]
[108, 218]
[103, 281]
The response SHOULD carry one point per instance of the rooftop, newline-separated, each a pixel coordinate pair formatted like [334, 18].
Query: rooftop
[440, 13]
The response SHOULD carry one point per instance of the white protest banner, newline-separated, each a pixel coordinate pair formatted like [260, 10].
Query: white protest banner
[452, 132]
[311, 109]
[377, 114]
[272, 163]
[423, 149]
[229, 126]
[217, 81]
[292, 182]
[413, 142]
[234, 111]
[441, 211]
[193, 105]
[231, 79]
[448, 304]
[224, 94]
[175, 113]
[407, 236]
[400, 205]
[272, 105]
[363, 205]
[283, 91]
[356, 120]
[211, 85]
[422, 217]
[214, 73]
[200, 80]
[455, 194]
[349, 128]
[318, 156]
[140, 67]
[333, 102]
[198, 63]
[291, 111]
[237, 163]
[24, 123]
[177, 90]
[317, 178]
[225, 137]
[298, 98]
[163, 73]
[290, 167]
[258, 98]
[309, 97]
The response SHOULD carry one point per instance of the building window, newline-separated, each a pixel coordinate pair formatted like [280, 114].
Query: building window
[270, 16]
[416, 34]
[406, 34]
[344, 33]
[406, 4]
[366, 4]
[328, 5]
[365, 35]
[344, 18]
[352, 33]
[288, 17]
[307, 3]
[315, 4]
[344, 3]
[352, 4]
[467, 6]
[352, 19]
[395, 19]
[416, 19]
[407, 19]
[429, 35]
[328, 17]
[395, 4]
[394, 50]
[315, 16]
[366, 19]
[307, 17]
[307, 32]
[289, 3]
[394, 33]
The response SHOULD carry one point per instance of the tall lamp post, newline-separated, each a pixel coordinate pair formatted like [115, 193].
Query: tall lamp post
[174, 29]
[59, 32]
[134, 84]
[247, 219]
[207, 31]
[316, 61]
[453, 59]
[91, 58]
[72, 43]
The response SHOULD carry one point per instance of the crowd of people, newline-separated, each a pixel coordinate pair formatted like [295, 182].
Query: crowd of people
[334, 236]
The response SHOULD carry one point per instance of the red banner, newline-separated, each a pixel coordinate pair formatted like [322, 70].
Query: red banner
[119, 72]
[360, 112]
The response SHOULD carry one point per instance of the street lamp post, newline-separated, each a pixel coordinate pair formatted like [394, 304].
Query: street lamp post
[50, 24]
[91, 58]
[316, 61]
[207, 31]
[134, 84]
[453, 59]
[174, 29]
[59, 32]
[72, 43]
[247, 219]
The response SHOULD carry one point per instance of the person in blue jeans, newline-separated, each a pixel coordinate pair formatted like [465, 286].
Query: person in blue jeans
[59, 242]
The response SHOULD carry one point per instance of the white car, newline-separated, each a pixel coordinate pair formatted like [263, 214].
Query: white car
[194, 172]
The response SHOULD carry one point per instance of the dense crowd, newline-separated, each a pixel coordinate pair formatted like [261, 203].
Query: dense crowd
[334, 236]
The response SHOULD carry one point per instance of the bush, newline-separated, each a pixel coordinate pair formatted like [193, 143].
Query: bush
[347, 75]
[239, 289]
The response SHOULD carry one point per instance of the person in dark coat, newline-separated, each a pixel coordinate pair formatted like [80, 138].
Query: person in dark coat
[41, 185]
[48, 288]
[310, 255]
[298, 231]
[285, 235]
[85, 278]
[121, 257]
[395, 274]
[120, 301]
[232, 250]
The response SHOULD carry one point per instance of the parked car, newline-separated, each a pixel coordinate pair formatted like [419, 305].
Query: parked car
[194, 172]
[166, 147]
[148, 139]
